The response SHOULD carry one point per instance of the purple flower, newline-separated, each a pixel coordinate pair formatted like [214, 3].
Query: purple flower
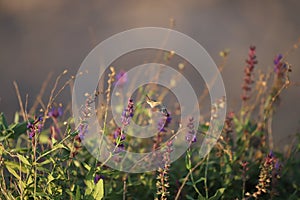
[35, 127]
[277, 59]
[97, 178]
[118, 133]
[191, 134]
[270, 158]
[121, 78]
[119, 139]
[164, 123]
[40, 119]
[277, 165]
[279, 66]
[56, 112]
[128, 113]
[161, 126]
[271, 154]
[119, 148]
[30, 125]
[82, 129]
[39, 127]
[31, 134]
[191, 137]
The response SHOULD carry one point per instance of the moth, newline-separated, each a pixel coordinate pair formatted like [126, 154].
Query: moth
[157, 105]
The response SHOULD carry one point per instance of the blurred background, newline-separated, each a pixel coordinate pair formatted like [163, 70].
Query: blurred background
[42, 37]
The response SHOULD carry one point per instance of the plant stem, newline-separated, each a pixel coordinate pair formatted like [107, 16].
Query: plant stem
[35, 172]
[187, 177]
[205, 180]
[124, 187]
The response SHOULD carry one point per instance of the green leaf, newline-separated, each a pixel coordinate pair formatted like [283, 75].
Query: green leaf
[29, 181]
[78, 195]
[12, 171]
[2, 138]
[19, 150]
[77, 163]
[89, 181]
[3, 122]
[23, 160]
[86, 166]
[218, 194]
[98, 192]
[16, 175]
[43, 169]
[238, 124]
[199, 180]
[45, 162]
[15, 166]
[50, 178]
[17, 117]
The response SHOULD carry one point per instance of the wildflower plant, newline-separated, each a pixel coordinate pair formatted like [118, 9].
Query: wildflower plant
[43, 154]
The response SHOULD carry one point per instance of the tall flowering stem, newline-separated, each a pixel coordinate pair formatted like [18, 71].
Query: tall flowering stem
[191, 133]
[119, 133]
[162, 124]
[279, 66]
[162, 183]
[228, 127]
[244, 170]
[111, 79]
[109, 82]
[55, 113]
[281, 82]
[128, 113]
[281, 69]
[119, 138]
[82, 129]
[268, 175]
[248, 74]
[227, 137]
[35, 127]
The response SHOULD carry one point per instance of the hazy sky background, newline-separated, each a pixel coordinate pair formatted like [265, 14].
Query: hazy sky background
[38, 37]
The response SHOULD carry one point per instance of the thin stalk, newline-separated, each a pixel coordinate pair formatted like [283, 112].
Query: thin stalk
[187, 177]
[124, 187]
[192, 177]
[205, 180]
[35, 168]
